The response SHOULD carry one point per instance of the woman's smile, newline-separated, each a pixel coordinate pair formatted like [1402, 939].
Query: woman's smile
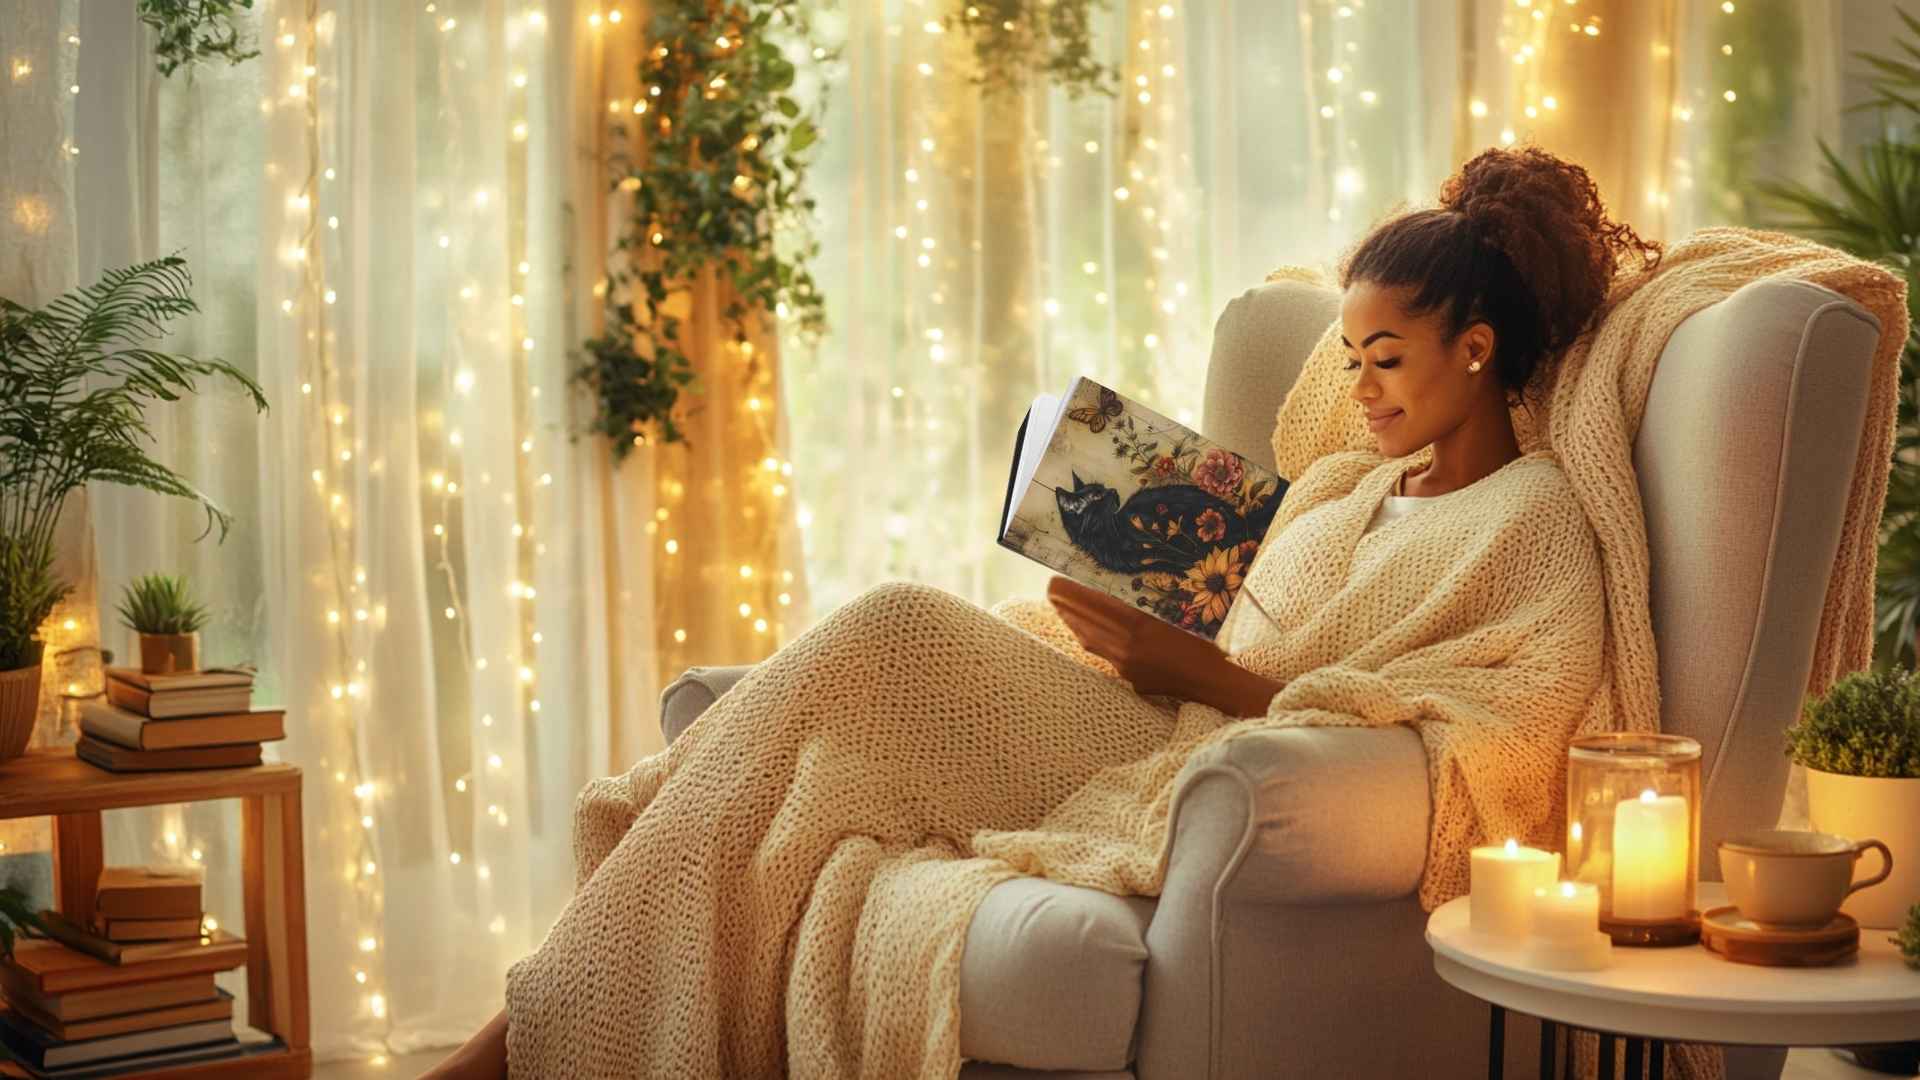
[1380, 419]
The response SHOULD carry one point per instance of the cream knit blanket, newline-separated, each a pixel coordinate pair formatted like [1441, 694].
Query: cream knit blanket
[786, 889]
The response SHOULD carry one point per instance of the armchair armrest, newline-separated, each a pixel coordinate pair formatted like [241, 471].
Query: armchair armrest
[1305, 815]
[1294, 855]
[684, 699]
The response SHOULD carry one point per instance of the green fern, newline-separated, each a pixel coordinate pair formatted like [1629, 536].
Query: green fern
[1876, 215]
[76, 378]
[28, 593]
[158, 604]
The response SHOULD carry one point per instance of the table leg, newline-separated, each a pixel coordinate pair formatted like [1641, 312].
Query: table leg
[1549, 1045]
[276, 917]
[1656, 1059]
[79, 856]
[1496, 1043]
[1606, 1054]
[1635, 1050]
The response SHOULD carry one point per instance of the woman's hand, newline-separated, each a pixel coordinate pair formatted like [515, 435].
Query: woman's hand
[1158, 658]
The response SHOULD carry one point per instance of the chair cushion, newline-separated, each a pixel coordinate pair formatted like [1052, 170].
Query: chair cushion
[1051, 976]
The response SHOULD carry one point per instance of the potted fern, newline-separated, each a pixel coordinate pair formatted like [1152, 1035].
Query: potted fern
[1860, 744]
[76, 378]
[163, 612]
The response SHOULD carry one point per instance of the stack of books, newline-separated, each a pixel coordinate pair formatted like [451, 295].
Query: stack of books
[187, 720]
[83, 1003]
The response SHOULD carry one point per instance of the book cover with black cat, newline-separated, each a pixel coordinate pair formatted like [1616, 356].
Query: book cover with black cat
[1122, 499]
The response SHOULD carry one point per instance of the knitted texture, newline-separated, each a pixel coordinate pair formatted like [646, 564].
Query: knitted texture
[1593, 409]
[787, 888]
[790, 883]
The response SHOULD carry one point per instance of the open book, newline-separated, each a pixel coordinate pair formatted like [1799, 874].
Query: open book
[1122, 499]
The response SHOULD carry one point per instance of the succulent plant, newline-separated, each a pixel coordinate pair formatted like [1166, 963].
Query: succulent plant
[159, 604]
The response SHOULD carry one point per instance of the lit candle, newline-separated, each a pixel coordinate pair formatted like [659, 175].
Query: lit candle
[1501, 885]
[1565, 912]
[1650, 840]
[1566, 933]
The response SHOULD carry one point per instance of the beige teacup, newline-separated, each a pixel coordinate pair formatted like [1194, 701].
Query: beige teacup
[1786, 878]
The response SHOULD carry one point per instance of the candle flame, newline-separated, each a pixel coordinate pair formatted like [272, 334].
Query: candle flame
[1513, 846]
[1647, 795]
[1566, 888]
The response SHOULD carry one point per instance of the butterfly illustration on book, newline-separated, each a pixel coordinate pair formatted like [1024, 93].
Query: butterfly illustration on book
[1096, 416]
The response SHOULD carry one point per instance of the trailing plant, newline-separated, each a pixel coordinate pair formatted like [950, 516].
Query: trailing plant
[189, 31]
[716, 165]
[1909, 938]
[76, 378]
[1014, 40]
[159, 604]
[15, 913]
[1876, 215]
[1868, 724]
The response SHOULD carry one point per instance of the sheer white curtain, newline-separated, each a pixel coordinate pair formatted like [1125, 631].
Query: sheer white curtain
[390, 229]
[976, 254]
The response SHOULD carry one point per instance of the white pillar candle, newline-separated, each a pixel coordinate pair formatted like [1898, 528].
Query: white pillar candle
[1566, 932]
[1566, 912]
[1650, 871]
[1501, 886]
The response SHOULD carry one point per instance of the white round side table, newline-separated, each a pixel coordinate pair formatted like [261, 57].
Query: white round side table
[1684, 994]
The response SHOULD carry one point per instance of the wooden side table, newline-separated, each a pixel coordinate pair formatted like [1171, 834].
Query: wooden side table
[54, 782]
[1684, 994]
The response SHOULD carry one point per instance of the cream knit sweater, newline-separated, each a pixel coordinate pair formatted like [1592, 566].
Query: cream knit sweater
[786, 889]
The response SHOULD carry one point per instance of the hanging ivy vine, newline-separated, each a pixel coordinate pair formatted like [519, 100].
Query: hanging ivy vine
[190, 31]
[1015, 40]
[716, 170]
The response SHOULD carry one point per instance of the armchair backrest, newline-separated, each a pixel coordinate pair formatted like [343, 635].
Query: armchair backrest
[1745, 456]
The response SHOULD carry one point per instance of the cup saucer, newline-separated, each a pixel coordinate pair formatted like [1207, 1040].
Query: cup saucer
[1725, 931]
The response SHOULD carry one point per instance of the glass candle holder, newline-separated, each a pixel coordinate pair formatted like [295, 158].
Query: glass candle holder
[1633, 832]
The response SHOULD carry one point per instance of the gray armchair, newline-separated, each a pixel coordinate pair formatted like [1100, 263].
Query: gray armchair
[1287, 941]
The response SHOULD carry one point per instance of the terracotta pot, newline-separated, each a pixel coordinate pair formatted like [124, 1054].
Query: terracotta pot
[1886, 809]
[164, 654]
[19, 709]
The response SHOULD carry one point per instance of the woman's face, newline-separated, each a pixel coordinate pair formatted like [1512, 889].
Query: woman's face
[1413, 387]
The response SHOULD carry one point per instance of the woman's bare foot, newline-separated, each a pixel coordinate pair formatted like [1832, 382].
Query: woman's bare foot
[484, 1057]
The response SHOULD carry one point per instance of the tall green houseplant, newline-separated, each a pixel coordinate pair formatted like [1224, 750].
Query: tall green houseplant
[76, 379]
[1876, 215]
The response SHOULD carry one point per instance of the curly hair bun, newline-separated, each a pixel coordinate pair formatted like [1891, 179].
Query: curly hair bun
[1545, 215]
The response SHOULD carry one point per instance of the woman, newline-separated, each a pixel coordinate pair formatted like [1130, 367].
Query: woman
[787, 887]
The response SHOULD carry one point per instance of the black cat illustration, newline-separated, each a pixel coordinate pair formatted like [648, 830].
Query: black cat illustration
[1098, 523]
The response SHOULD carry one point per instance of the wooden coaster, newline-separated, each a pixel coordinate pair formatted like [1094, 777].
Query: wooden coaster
[1725, 931]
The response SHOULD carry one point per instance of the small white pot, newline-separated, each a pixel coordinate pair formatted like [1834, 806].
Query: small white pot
[1873, 808]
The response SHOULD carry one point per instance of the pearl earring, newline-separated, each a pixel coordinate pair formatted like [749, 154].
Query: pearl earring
[1474, 367]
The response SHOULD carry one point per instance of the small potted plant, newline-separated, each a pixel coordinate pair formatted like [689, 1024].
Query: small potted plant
[76, 378]
[163, 612]
[28, 592]
[1860, 744]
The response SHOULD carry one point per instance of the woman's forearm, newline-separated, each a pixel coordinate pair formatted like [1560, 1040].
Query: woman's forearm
[1239, 692]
